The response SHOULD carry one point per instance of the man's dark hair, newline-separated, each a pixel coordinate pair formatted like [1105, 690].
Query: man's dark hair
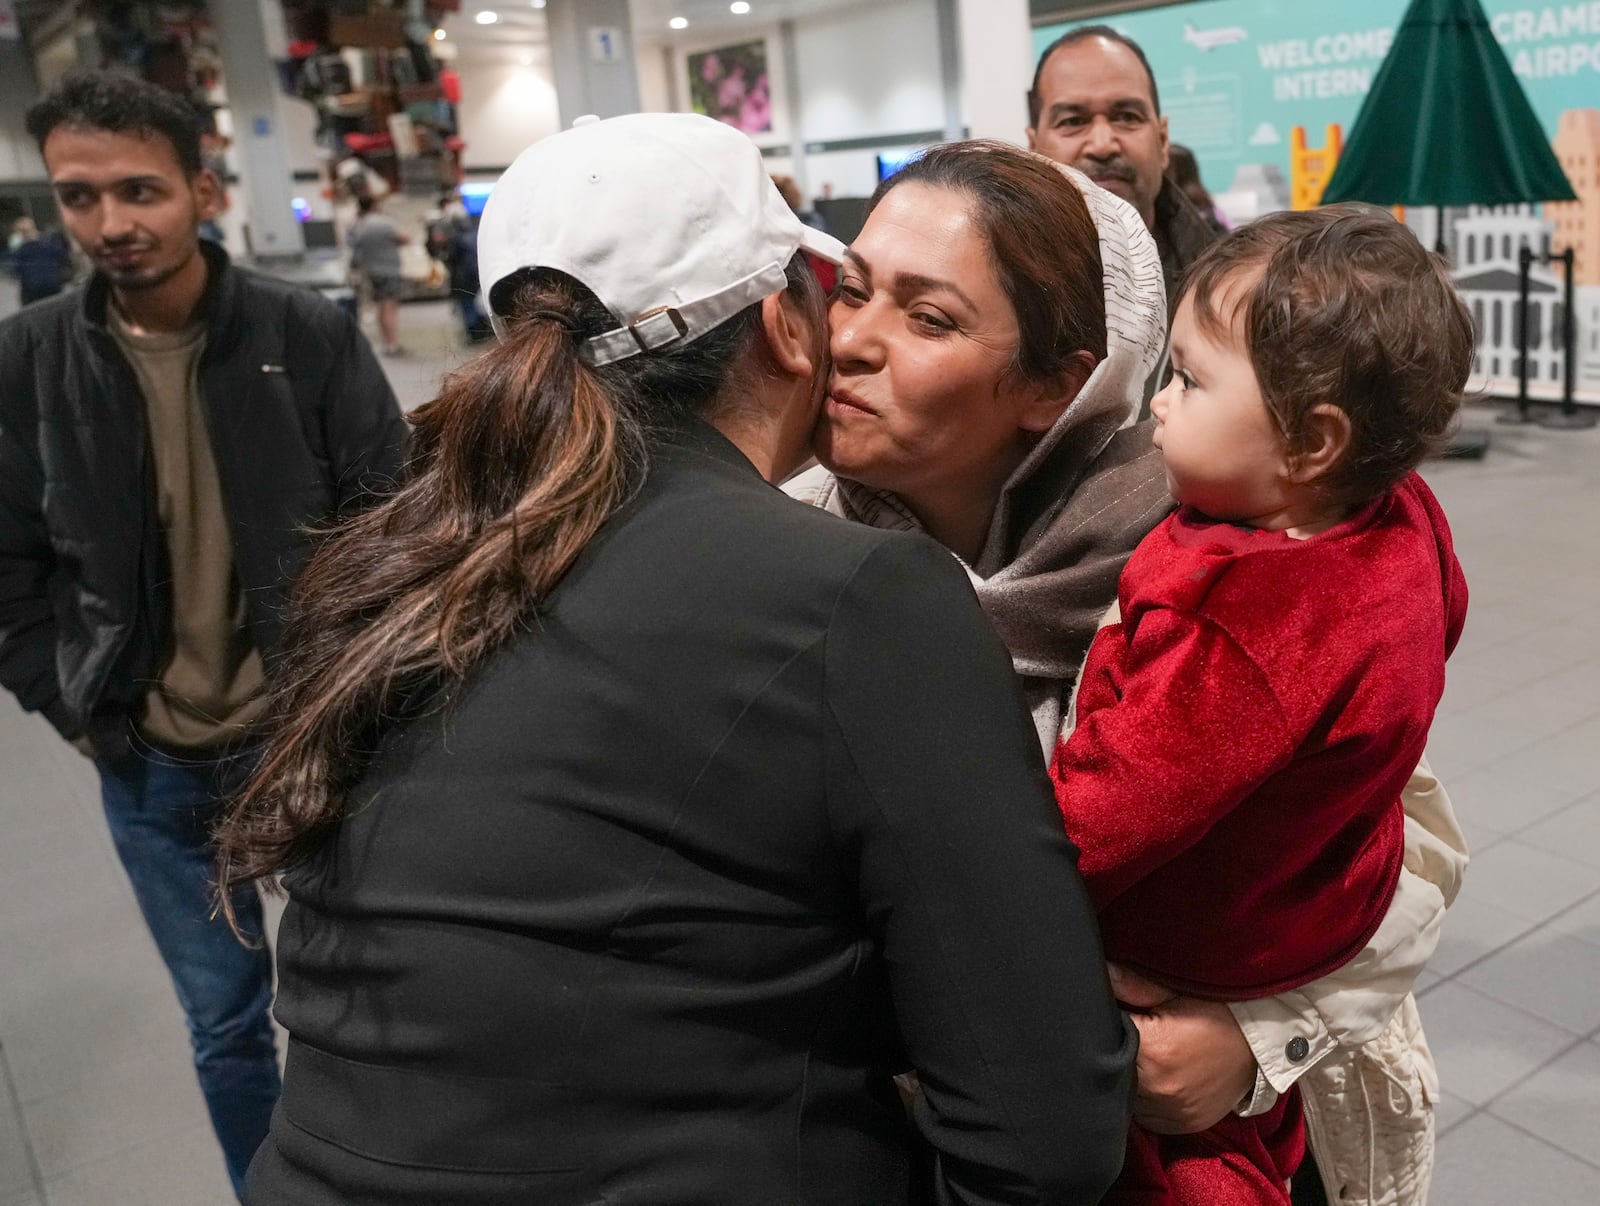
[1071, 38]
[119, 104]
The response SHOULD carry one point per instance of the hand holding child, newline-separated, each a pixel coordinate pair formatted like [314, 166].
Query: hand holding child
[1195, 1066]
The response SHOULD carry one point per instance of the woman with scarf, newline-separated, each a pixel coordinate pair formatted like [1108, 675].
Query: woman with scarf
[994, 325]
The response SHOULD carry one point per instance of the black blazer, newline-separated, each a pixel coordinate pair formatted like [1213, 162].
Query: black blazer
[650, 910]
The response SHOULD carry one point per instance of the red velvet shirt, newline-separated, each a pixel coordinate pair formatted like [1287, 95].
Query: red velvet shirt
[1244, 735]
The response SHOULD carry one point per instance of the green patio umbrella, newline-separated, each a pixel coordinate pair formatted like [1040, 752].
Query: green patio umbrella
[1446, 122]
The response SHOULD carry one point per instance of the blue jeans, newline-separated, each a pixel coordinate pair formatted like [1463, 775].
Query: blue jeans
[160, 808]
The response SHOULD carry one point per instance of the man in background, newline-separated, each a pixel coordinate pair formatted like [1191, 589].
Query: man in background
[375, 243]
[169, 435]
[40, 262]
[1094, 106]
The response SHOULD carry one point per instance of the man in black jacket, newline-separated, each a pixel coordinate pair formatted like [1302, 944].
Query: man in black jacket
[168, 436]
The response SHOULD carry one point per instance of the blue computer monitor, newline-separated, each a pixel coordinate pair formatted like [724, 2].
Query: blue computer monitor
[473, 196]
[890, 162]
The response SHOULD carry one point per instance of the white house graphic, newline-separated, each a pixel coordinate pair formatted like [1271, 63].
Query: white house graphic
[1484, 244]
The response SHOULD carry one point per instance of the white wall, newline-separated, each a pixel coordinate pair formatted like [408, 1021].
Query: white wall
[866, 71]
[653, 65]
[996, 68]
[507, 103]
[870, 70]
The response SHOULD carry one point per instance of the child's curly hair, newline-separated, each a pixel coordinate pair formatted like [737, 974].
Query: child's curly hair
[1343, 306]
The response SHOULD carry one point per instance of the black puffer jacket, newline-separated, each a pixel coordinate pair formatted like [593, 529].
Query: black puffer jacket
[303, 424]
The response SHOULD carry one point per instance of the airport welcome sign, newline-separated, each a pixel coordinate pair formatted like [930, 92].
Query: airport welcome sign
[1263, 92]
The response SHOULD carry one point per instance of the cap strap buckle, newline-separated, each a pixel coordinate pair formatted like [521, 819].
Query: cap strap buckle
[649, 332]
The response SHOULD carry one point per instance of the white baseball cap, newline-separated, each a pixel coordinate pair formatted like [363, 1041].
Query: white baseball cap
[669, 218]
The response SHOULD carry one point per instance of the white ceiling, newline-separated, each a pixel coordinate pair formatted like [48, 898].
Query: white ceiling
[522, 24]
[650, 17]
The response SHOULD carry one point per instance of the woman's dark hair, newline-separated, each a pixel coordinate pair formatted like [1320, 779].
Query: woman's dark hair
[514, 467]
[119, 104]
[1042, 242]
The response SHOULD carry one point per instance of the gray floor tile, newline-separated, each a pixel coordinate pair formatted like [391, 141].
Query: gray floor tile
[1466, 689]
[1578, 681]
[17, 1170]
[1528, 714]
[1513, 663]
[80, 1040]
[1547, 973]
[1451, 1112]
[1479, 835]
[1582, 922]
[1560, 1103]
[1566, 759]
[1480, 738]
[127, 1107]
[99, 910]
[1500, 801]
[1482, 1046]
[28, 1198]
[180, 1170]
[1573, 832]
[121, 958]
[1486, 1162]
[1474, 929]
[1455, 755]
[39, 840]
[1528, 882]
[1488, 626]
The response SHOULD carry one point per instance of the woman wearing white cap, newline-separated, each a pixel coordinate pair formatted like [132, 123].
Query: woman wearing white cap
[638, 823]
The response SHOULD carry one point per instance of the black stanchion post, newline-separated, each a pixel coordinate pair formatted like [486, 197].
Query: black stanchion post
[1524, 266]
[1569, 417]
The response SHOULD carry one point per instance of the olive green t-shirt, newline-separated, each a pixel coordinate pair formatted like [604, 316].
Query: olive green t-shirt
[210, 688]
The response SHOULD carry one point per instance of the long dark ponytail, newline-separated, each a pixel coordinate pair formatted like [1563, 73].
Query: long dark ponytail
[515, 466]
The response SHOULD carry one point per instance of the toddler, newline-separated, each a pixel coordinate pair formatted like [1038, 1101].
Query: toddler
[1245, 731]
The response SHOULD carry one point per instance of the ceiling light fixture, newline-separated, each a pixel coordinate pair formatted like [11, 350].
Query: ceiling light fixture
[739, 8]
[487, 18]
[538, 3]
[678, 23]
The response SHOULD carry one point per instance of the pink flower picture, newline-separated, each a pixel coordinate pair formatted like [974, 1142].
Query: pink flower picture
[731, 84]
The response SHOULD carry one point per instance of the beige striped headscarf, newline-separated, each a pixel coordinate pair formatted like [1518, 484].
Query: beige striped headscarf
[1101, 480]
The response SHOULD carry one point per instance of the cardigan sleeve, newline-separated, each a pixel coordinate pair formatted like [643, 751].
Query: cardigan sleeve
[1171, 735]
[967, 884]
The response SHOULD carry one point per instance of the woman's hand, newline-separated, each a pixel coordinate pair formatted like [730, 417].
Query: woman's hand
[1195, 1066]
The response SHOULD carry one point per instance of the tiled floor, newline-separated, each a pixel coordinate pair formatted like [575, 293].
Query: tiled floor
[98, 1107]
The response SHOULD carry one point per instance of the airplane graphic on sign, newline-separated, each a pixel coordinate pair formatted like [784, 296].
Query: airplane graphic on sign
[1210, 39]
